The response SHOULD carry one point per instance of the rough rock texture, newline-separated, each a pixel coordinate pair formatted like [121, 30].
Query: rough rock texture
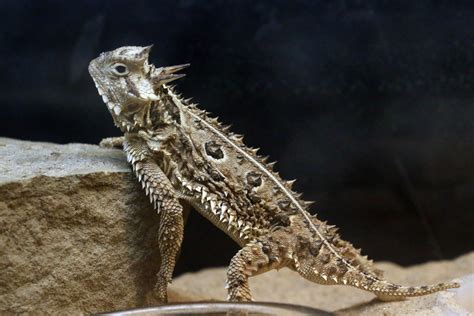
[77, 236]
[76, 231]
[285, 286]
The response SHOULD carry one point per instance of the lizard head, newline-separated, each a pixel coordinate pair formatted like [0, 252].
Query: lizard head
[129, 85]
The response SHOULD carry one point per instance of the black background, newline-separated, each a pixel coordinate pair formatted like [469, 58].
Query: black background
[368, 103]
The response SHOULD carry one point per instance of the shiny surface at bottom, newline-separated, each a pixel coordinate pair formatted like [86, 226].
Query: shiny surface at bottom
[221, 308]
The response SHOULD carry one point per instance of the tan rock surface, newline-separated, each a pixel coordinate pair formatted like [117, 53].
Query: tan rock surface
[285, 286]
[77, 233]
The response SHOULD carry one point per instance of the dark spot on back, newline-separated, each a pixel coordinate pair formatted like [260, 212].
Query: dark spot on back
[331, 270]
[214, 150]
[284, 204]
[281, 219]
[340, 263]
[369, 282]
[266, 249]
[254, 197]
[325, 258]
[314, 248]
[254, 178]
[303, 243]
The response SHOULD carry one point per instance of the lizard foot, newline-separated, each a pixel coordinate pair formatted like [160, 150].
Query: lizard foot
[157, 296]
[160, 291]
[112, 142]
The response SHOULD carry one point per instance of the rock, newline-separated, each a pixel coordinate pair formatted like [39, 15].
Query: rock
[77, 234]
[286, 286]
[463, 298]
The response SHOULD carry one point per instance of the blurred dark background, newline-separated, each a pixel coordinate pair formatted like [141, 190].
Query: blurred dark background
[370, 104]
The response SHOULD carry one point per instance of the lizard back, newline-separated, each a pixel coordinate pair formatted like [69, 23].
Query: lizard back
[223, 179]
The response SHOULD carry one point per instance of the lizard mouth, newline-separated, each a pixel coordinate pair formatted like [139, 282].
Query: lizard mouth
[114, 108]
[111, 105]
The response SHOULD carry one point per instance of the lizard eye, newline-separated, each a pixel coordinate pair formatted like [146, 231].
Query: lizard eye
[120, 69]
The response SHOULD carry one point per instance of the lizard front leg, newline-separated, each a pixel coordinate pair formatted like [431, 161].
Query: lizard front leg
[170, 236]
[164, 198]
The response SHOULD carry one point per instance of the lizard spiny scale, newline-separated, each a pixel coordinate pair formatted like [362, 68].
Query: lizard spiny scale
[181, 155]
[254, 178]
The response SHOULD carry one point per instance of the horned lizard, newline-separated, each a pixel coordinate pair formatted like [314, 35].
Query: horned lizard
[182, 155]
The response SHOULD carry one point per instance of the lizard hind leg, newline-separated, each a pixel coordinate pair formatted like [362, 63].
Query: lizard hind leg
[264, 254]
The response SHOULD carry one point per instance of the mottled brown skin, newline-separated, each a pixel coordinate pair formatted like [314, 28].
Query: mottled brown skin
[181, 155]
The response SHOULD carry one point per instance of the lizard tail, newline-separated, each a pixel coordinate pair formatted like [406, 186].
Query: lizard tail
[386, 291]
